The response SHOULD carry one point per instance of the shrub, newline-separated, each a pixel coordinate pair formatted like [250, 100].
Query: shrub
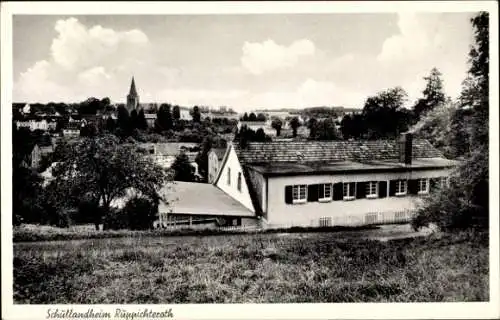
[115, 220]
[140, 213]
[461, 205]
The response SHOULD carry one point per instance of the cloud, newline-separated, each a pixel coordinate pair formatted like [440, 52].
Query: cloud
[81, 62]
[190, 96]
[266, 56]
[308, 93]
[36, 84]
[417, 36]
[77, 46]
[93, 75]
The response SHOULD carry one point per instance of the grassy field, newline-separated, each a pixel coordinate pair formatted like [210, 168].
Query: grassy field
[252, 268]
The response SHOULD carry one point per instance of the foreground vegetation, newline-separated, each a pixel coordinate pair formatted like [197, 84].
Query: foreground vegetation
[252, 268]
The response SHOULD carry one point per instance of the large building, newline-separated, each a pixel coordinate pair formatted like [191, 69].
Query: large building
[133, 98]
[325, 183]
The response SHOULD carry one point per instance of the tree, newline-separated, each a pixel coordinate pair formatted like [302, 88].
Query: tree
[88, 130]
[441, 126]
[245, 117]
[176, 113]
[133, 119]
[142, 124]
[202, 156]
[326, 130]
[465, 203]
[352, 126]
[104, 169]
[196, 114]
[110, 125]
[433, 94]
[312, 126]
[123, 122]
[295, 124]
[183, 170]
[277, 124]
[252, 117]
[260, 135]
[164, 120]
[261, 117]
[384, 115]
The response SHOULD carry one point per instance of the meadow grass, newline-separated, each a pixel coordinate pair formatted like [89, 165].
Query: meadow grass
[252, 268]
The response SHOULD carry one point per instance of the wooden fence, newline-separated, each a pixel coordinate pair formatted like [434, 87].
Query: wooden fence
[358, 220]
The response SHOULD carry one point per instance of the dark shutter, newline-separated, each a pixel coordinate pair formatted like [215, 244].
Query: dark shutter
[288, 194]
[434, 185]
[392, 188]
[338, 191]
[382, 189]
[360, 190]
[413, 186]
[321, 190]
[312, 192]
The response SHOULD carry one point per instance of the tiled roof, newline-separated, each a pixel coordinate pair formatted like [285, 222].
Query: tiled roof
[168, 148]
[72, 126]
[200, 199]
[330, 151]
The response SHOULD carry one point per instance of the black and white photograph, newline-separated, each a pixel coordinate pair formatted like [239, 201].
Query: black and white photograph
[164, 158]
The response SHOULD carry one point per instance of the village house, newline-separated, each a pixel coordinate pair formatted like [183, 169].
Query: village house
[316, 183]
[72, 129]
[38, 151]
[164, 154]
[35, 124]
[150, 119]
[185, 114]
[323, 183]
[215, 156]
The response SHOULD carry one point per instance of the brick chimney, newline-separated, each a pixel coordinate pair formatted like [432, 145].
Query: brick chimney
[405, 145]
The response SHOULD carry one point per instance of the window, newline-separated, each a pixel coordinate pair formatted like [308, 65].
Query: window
[372, 189]
[349, 189]
[401, 187]
[228, 176]
[423, 186]
[325, 222]
[325, 192]
[239, 181]
[444, 182]
[299, 193]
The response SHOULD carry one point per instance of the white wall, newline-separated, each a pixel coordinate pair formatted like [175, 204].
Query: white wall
[242, 196]
[278, 212]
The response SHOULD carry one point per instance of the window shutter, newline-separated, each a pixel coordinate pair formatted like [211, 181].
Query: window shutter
[321, 190]
[360, 190]
[338, 192]
[413, 186]
[392, 188]
[382, 189]
[434, 185]
[312, 192]
[288, 194]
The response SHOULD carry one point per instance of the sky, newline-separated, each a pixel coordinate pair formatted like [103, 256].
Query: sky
[242, 61]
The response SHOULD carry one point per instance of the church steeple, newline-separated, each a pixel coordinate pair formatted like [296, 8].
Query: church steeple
[133, 91]
[132, 98]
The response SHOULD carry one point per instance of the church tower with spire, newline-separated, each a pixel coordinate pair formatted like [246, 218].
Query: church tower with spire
[132, 98]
